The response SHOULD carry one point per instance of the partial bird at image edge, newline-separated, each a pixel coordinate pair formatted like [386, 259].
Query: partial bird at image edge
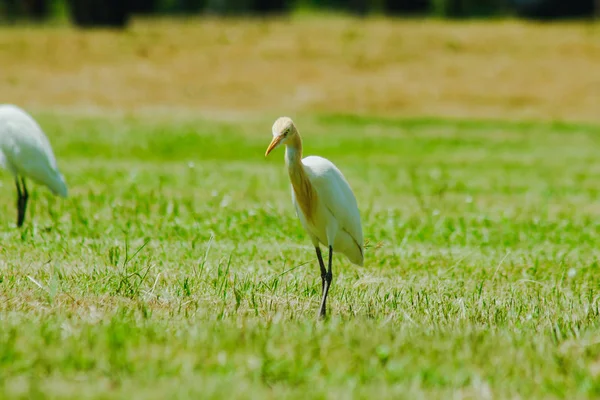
[26, 153]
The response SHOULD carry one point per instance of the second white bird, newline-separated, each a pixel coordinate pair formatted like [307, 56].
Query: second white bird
[26, 152]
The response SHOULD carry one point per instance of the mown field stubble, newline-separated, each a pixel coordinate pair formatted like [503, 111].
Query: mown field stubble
[177, 268]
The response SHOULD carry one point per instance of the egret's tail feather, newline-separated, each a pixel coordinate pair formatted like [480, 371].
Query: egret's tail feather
[58, 186]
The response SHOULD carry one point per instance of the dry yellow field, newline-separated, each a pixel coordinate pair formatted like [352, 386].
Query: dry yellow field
[498, 69]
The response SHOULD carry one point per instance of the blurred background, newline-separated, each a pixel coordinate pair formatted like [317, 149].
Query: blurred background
[499, 59]
[117, 13]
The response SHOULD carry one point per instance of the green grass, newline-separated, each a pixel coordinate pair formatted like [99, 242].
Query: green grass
[177, 268]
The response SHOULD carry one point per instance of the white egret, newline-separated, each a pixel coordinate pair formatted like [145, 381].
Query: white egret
[26, 153]
[324, 203]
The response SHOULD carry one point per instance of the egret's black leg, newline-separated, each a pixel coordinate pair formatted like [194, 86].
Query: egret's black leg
[19, 201]
[323, 270]
[25, 196]
[25, 192]
[22, 198]
[328, 279]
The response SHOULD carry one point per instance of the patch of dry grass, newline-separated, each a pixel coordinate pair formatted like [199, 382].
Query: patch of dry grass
[501, 69]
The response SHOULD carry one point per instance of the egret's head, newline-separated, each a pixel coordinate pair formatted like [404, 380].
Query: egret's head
[283, 130]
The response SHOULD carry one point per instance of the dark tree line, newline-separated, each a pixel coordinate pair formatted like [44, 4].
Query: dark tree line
[35, 9]
[116, 13]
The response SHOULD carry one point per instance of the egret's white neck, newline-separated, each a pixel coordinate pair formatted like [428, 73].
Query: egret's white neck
[305, 193]
[293, 153]
[291, 157]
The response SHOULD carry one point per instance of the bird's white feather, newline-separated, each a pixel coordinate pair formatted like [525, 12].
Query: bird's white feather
[3, 163]
[337, 201]
[26, 151]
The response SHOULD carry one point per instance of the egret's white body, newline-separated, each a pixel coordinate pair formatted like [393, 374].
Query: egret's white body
[337, 219]
[323, 200]
[26, 153]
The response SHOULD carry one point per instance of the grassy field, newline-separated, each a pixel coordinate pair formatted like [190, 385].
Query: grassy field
[177, 268]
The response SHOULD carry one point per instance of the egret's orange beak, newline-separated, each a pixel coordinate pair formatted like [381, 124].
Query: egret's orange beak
[274, 143]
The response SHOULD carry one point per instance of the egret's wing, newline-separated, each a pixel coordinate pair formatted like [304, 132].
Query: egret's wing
[335, 193]
[27, 150]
